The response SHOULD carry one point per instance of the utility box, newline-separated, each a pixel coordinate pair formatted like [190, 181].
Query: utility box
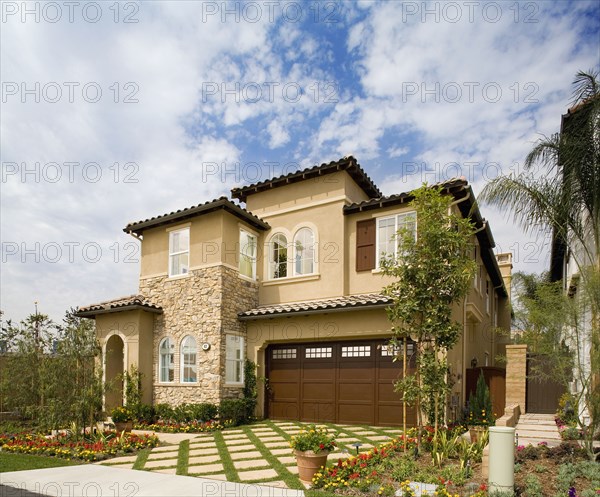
[502, 459]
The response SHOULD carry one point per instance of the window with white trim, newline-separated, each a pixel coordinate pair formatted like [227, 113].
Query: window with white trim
[387, 228]
[179, 252]
[189, 369]
[304, 251]
[166, 361]
[278, 256]
[234, 359]
[247, 254]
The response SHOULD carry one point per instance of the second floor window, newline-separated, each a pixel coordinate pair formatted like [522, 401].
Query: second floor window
[278, 257]
[247, 254]
[387, 228]
[179, 252]
[304, 252]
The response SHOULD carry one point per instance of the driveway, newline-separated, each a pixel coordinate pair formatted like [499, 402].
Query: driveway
[258, 453]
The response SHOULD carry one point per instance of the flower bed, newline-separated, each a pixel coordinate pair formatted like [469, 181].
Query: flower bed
[386, 469]
[184, 427]
[92, 448]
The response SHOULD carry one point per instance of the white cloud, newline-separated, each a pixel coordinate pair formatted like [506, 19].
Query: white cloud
[182, 66]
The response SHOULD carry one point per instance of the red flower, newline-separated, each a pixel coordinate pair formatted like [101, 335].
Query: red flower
[321, 446]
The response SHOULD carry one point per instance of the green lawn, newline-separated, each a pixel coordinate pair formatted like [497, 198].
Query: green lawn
[21, 462]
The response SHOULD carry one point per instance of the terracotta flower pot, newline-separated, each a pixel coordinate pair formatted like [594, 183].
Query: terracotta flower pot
[309, 463]
[476, 432]
[123, 425]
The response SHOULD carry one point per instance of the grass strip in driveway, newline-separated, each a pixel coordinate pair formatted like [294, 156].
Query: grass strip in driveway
[183, 457]
[141, 459]
[228, 467]
[290, 479]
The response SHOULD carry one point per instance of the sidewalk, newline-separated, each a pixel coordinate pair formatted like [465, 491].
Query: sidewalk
[96, 480]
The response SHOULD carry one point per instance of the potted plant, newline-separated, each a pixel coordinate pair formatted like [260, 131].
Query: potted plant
[480, 410]
[122, 418]
[311, 448]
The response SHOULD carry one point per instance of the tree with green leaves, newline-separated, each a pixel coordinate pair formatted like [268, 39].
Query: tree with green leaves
[564, 196]
[432, 271]
[553, 325]
[49, 372]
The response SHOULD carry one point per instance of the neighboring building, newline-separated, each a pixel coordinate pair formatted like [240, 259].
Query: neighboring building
[568, 259]
[291, 282]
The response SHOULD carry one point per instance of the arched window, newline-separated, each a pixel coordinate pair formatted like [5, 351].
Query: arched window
[304, 251]
[166, 361]
[188, 360]
[278, 257]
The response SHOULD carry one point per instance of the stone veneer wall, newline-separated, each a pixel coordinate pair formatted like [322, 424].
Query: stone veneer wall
[516, 376]
[203, 304]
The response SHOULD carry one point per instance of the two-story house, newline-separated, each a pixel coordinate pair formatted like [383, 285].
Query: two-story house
[291, 282]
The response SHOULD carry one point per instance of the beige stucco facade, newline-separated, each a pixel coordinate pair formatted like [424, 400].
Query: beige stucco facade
[207, 301]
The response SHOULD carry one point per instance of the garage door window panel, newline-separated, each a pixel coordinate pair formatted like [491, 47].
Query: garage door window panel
[318, 352]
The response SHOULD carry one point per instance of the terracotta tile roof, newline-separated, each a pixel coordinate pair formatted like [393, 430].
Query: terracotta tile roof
[121, 304]
[351, 302]
[452, 185]
[210, 206]
[460, 189]
[348, 164]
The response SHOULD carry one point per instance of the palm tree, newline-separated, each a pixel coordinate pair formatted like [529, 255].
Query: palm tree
[567, 197]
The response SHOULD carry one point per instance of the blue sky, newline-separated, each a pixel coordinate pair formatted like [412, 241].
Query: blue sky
[117, 112]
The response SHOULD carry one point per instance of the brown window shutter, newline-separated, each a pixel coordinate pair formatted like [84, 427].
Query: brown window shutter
[365, 245]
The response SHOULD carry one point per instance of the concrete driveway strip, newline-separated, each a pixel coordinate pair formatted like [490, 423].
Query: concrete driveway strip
[91, 480]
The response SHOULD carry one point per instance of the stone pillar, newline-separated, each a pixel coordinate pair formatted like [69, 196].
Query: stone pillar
[516, 375]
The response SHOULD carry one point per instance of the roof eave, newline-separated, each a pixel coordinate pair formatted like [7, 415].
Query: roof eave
[348, 164]
[224, 204]
[242, 317]
[92, 313]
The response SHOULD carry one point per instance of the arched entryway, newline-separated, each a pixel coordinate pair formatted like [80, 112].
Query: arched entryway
[113, 372]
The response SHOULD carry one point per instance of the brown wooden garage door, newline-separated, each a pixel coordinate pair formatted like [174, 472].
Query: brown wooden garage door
[341, 382]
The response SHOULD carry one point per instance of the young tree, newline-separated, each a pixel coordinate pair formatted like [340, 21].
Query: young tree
[49, 372]
[26, 347]
[432, 271]
[555, 325]
[566, 199]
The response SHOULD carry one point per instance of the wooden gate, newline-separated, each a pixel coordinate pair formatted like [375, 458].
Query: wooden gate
[495, 379]
[543, 392]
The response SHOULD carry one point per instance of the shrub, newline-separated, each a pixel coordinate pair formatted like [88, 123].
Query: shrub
[203, 412]
[480, 405]
[144, 413]
[236, 410]
[164, 412]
